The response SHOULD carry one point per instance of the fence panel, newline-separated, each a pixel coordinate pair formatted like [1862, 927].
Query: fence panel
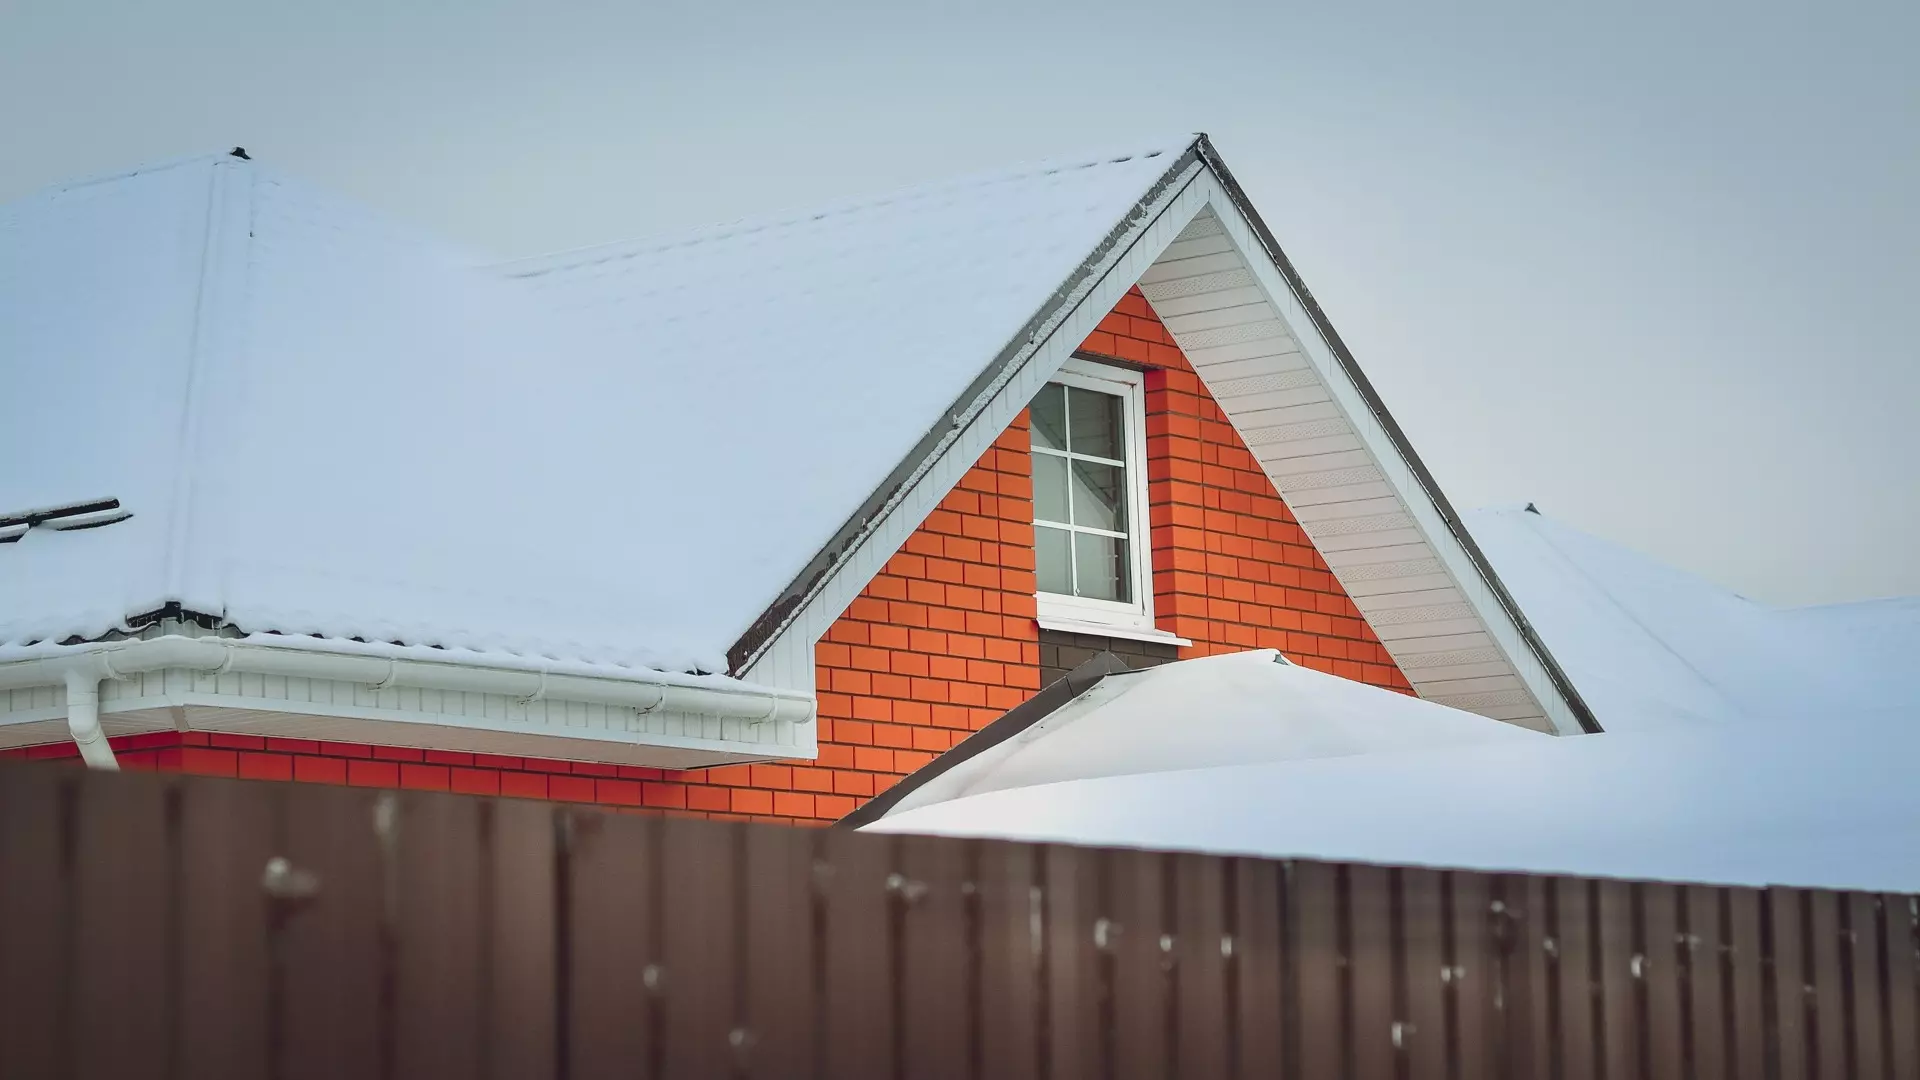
[703, 970]
[1748, 976]
[1622, 1039]
[1201, 1027]
[1011, 1000]
[859, 1000]
[1704, 951]
[1475, 979]
[1260, 962]
[936, 943]
[1528, 971]
[227, 992]
[1075, 972]
[1783, 916]
[1860, 956]
[1901, 960]
[1579, 1004]
[1374, 1027]
[1322, 992]
[237, 930]
[1829, 1022]
[36, 906]
[1428, 972]
[783, 991]
[441, 906]
[1664, 974]
[333, 938]
[1138, 1016]
[124, 878]
[609, 884]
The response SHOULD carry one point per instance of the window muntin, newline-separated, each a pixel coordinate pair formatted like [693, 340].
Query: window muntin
[1089, 496]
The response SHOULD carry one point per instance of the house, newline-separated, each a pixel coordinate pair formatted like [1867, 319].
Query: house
[750, 521]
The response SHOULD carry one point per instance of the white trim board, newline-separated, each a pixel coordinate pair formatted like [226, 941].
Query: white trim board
[423, 719]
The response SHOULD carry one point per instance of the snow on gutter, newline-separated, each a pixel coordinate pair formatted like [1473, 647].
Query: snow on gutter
[82, 668]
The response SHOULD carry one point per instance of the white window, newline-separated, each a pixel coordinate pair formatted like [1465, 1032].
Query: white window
[1090, 530]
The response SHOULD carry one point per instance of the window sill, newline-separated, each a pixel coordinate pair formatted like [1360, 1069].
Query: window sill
[1100, 629]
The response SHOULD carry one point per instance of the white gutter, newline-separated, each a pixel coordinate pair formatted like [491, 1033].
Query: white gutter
[82, 670]
[83, 720]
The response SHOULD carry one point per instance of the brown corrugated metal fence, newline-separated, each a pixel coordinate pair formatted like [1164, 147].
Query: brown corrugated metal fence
[184, 927]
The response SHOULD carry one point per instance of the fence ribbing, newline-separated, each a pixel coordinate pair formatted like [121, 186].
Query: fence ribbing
[188, 927]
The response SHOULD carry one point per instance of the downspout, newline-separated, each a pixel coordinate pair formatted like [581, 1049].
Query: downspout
[83, 719]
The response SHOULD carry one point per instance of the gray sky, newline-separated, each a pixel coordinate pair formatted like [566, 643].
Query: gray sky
[1651, 267]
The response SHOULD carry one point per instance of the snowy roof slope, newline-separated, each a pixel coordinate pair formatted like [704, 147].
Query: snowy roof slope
[1775, 806]
[1232, 709]
[99, 283]
[789, 365]
[326, 424]
[1650, 646]
[312, 415]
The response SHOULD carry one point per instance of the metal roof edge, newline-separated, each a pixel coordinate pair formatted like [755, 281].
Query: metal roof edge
[1401, 445]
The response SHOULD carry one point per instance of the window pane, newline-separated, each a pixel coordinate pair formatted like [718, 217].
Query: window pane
[1055, 572]
[1096, 424]
[1099, 495]
[1049, 488]
[1103, 570]
[1049, 412]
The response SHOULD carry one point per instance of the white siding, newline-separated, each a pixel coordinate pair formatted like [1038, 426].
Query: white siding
[1277, 381]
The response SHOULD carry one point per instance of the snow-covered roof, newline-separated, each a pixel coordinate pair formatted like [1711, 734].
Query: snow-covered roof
[323, 423]
[1831, 806]
[1649, 646]
[797, 364]
[1232, 709]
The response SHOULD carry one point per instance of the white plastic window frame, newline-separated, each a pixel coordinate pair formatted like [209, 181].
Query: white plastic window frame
[1129, 385]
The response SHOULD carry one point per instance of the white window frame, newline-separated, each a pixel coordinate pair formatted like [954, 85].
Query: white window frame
[1085, 614]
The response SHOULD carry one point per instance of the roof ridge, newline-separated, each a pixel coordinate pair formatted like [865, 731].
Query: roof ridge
[779, 219]
[124, 173]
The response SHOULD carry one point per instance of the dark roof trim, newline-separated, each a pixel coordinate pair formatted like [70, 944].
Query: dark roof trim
[1013, 722]
[1398, 438]
[1045, 320]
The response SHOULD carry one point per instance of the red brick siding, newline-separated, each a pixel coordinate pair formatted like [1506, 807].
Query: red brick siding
[942, 641]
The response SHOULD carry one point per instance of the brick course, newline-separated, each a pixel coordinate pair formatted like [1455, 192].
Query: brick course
[941, 642]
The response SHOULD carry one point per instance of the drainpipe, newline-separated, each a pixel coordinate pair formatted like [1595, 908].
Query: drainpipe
[83, 719]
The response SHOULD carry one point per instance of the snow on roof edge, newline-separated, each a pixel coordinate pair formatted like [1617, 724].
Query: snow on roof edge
[571, 258]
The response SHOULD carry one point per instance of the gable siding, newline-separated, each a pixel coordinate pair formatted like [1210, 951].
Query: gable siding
[943, 640]
[1232, 569]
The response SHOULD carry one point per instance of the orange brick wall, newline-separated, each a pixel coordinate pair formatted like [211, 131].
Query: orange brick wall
[943, 640]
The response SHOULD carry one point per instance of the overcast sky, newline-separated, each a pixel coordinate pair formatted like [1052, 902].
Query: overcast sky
[1654, 269]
